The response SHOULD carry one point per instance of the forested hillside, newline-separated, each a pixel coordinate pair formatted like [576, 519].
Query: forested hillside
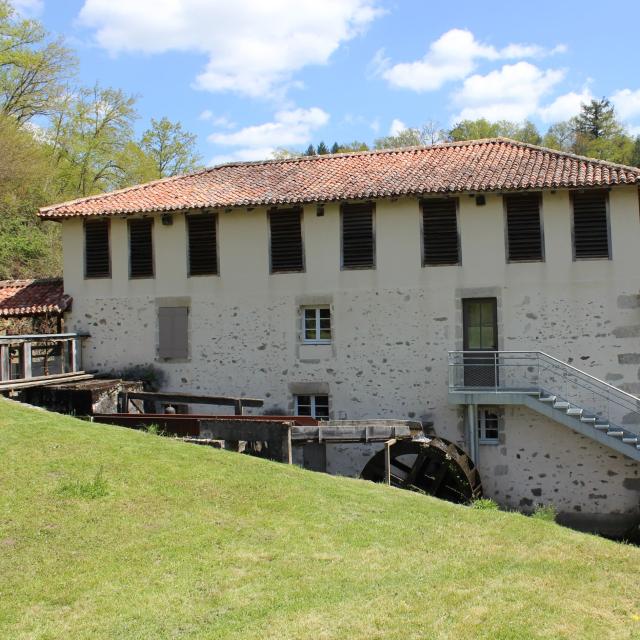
[60, 140]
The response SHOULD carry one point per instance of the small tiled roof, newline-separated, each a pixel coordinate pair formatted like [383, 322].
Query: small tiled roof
[32, 297]
[496, 164]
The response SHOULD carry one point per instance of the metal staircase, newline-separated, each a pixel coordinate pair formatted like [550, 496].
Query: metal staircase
[557, 390]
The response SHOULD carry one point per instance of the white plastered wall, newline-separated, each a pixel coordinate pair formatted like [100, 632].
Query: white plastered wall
[392, 325]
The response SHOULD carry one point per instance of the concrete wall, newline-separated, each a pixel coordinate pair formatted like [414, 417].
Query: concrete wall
[392, 325]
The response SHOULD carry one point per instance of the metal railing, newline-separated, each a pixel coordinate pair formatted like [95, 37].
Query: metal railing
[24, 357]
[508, 372]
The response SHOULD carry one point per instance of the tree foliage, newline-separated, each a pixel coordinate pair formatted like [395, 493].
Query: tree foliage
[171, 148]
[33, 68]
[59, 141]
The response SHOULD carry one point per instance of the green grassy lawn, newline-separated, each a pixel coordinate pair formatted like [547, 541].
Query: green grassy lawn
[172, 540]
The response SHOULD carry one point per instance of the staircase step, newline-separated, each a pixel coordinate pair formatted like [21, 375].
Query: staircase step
[602, 427]
[589, 419]
[630, 440]
[548, 398]
[561, 405]
[574, 411]
[615, 434]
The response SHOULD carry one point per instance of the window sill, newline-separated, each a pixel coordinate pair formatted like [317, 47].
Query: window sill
[598, 258]
[313, 343]
[368, 268]
[489, 442]
[441, 264]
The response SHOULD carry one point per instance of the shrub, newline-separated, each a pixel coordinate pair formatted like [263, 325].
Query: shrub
[152, 377]
[546, 512]
[485, 504]
[90, 489]
[154, 429]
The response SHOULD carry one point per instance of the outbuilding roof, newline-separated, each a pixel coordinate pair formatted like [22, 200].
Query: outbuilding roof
[32, 297]
[496, 164]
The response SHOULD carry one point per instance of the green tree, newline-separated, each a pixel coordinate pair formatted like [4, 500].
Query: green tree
[472, 130]
[89, 139]
[560, 136]
[599, 134]
[322, 150]
[310, 151]
[34, 69]
[406, 138]
[482, 128]
[172, 149]
[347, 147]
[635, 156]
[597, 119]
[28, 246]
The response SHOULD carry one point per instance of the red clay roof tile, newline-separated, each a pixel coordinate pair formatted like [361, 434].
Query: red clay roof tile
[476, 165]
[32, 297]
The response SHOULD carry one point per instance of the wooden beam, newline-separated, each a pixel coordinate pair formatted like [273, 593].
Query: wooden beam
[387, 460]
[190, 398]
[40, 381]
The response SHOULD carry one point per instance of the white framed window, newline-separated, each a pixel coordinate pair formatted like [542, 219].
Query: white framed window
[488, 426]
[314, 406]
[316, 325]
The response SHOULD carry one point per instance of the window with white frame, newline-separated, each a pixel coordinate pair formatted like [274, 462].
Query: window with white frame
[488, 426]
[314, 406]
[316, 325]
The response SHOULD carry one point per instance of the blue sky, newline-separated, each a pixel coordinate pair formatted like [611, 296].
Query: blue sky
[248, 76]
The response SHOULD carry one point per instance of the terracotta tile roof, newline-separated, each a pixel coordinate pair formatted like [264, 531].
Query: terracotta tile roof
[477, 165]
[32, 297]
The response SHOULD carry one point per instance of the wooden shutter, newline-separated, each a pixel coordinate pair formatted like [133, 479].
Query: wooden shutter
[440, 231]
[358, 242]
[524, 233]
[286, 240]
[590, 225]
[141, 248]
[173, 332]
[203, 248]
[97, 262]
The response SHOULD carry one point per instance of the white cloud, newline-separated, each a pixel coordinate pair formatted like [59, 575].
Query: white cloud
[288, 128]
[28, 7]
[207, 114]
[565, 106]
[397, 126]
[453, 56]
[627, 103]
[510, 93]
[253, 47]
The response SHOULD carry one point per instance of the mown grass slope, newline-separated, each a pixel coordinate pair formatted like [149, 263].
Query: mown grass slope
[171, 540]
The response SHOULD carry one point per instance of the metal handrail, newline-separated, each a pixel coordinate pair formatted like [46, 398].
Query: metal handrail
[572, 388]
[564, 365]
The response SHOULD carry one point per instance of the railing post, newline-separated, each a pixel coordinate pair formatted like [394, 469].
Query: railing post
[495, 371]
[73, 355]
[26, 360]
[5, 367]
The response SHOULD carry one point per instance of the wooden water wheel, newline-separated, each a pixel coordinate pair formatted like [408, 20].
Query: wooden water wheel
[429, 465]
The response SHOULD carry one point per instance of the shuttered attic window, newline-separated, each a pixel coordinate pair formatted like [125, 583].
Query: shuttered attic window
[358, 242]
[590, 225]
[141, 248]
[203, 249]
[286, 240]
[440, 232]
[97, 262]
[524, 232]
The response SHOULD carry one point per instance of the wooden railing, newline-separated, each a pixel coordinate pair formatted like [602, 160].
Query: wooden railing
[28, 358]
